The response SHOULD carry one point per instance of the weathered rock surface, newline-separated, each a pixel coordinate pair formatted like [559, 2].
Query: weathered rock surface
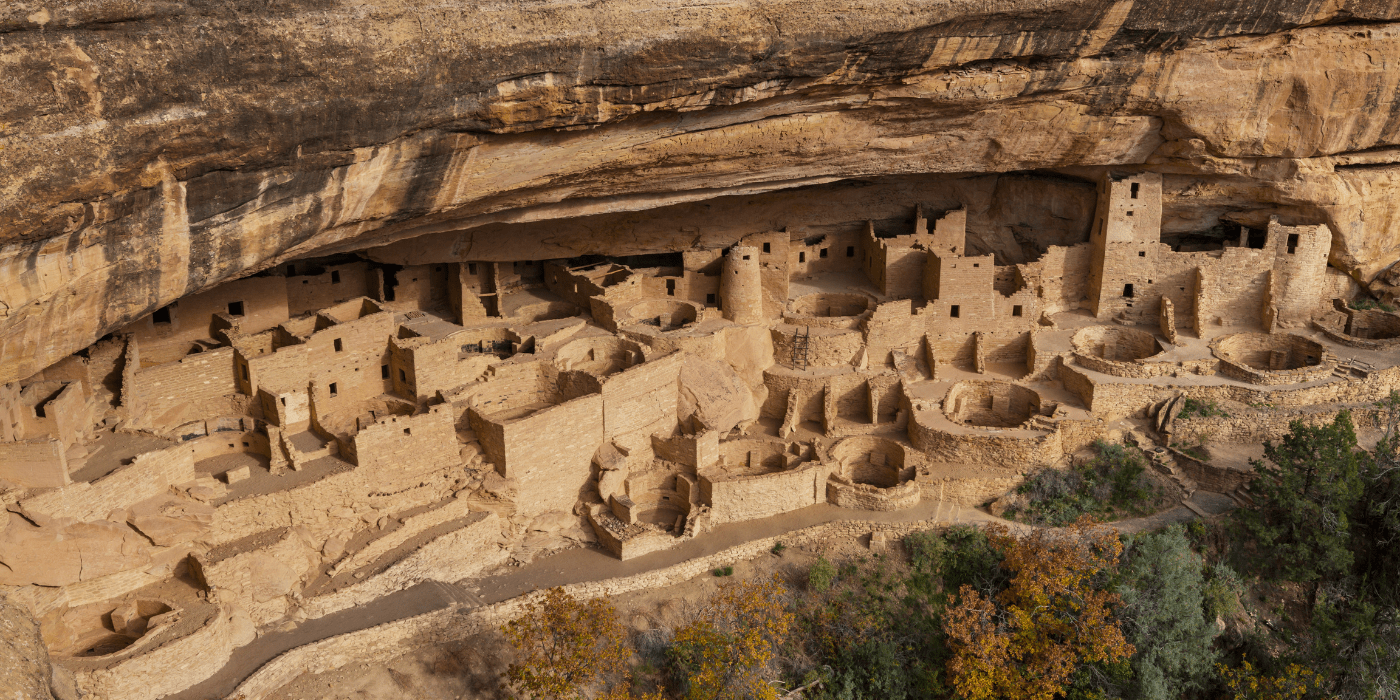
[148, 150]
[25, 671]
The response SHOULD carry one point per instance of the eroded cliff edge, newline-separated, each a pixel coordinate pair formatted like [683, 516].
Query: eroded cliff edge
[152, 150]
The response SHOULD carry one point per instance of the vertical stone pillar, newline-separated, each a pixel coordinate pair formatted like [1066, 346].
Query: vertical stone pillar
[741, 287]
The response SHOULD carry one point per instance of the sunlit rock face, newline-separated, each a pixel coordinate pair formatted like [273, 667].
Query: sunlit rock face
[149, 150]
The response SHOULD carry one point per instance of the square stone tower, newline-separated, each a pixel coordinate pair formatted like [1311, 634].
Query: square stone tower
[1127, 236]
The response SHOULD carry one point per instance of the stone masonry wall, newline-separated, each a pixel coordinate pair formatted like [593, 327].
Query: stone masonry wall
[149, 474]
[177, 392]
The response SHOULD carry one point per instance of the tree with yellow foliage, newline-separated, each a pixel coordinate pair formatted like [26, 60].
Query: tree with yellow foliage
[727, 649]
[1026, 641]
[1247, 683]
[565, 645]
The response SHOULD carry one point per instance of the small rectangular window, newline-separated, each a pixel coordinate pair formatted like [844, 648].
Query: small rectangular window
[1292, 243]
[823, 253]
[335, 276]
[802, 257]
[235, 308]
[1134, 190]
[955, 311]
[1016, 310]
[977, 264]
[1130, 212]
[403, 376]
[162, 315]
[332, 388]
[407, 431]
[709, 298]
[746, 257]
[850, 251]
[339, 346]
[1142, 253]
[384, 371]
[767, 247]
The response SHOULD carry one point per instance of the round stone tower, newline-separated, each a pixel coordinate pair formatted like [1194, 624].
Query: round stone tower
[740, 287]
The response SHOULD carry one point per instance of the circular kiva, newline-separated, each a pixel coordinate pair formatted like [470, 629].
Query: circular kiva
[990, 404]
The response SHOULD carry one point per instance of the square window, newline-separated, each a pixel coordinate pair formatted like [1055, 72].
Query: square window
[335, 276]
[955, 311]
[245, 444]
[1016, 310]
[339, 346]
[1142, 253]
[332, 388]
[407, 431]
[1128, 291]
[709, 298]
[235, 308]
[162, 315]
[767, 247]
[823, 253]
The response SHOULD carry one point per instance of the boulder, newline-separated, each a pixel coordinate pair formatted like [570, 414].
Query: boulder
[168, 520]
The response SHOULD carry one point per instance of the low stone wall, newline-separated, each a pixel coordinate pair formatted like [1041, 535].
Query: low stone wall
[173, 666]
[385, 642]
[758, 496]
[149, 474]
[1260, 425]
[1025, 449]
[1209, 476]
[873, 498]
[457, 555]
[1113, 400]
[967, 491]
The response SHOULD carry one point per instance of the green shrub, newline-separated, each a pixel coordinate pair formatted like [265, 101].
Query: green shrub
[1193, 408]
[1114, 482]
[1222, 591]
[1367, 304]
[821, 575]
[779, 547]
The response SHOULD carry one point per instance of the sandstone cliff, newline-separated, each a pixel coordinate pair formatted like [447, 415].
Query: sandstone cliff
[149, 150]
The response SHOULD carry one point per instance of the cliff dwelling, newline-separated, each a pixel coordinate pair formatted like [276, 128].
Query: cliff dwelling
[292, 441]
[332, 330]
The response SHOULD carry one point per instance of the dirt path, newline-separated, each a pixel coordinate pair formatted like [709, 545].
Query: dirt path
[591, 564]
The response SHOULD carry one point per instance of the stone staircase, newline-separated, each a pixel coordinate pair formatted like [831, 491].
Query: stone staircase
[1242, 497]
[1165, 464]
